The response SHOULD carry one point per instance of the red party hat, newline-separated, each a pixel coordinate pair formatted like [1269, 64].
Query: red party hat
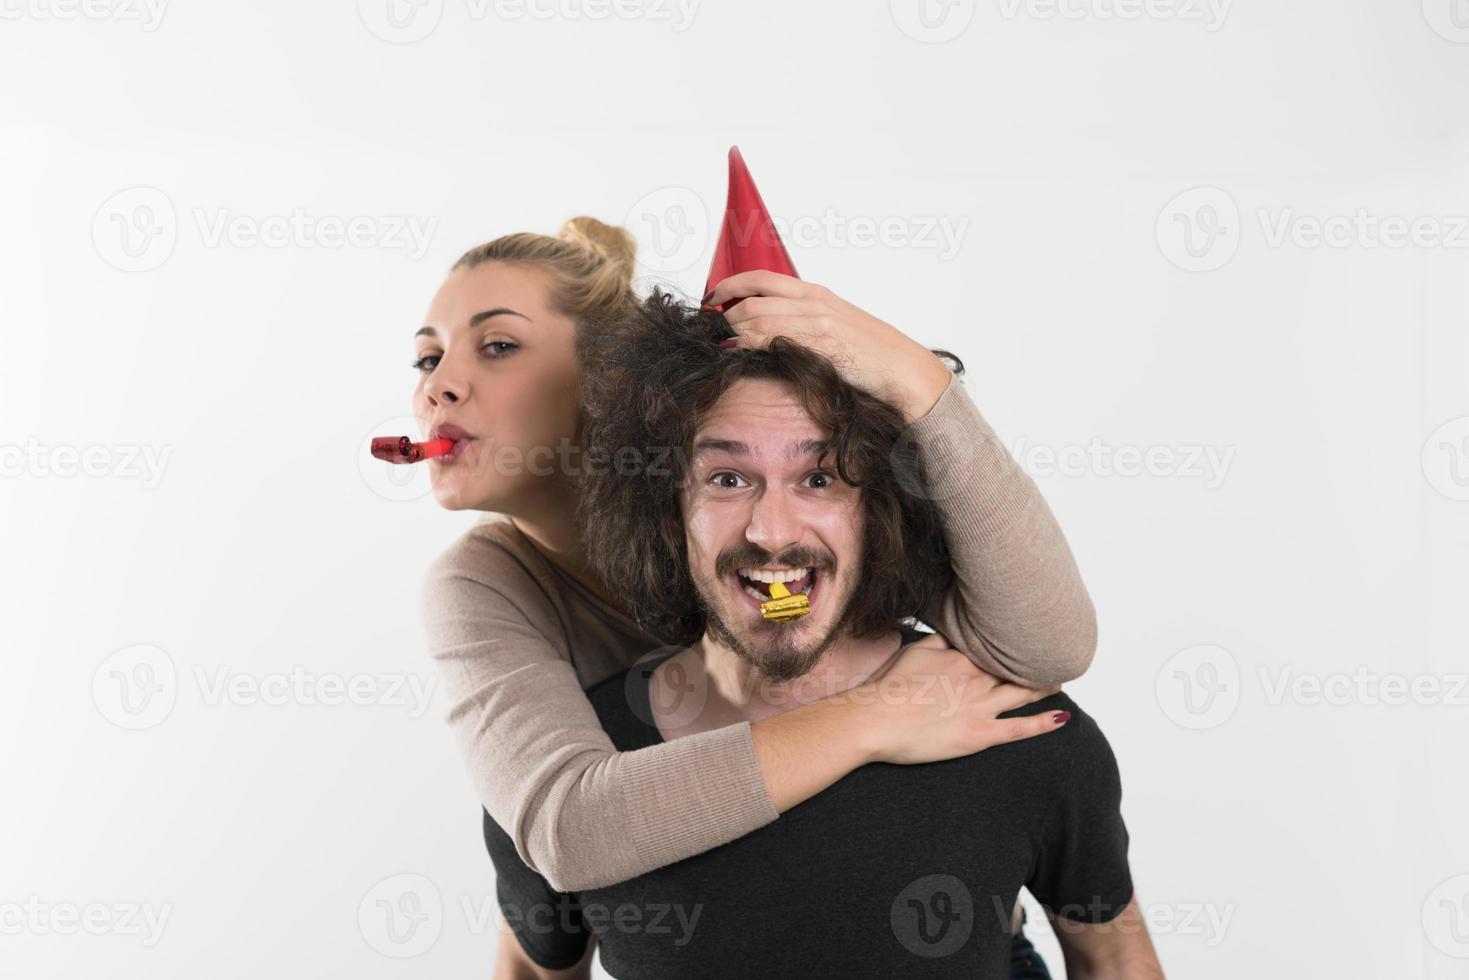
[748, 240]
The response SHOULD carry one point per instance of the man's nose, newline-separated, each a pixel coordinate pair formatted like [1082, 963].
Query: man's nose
[774, 524]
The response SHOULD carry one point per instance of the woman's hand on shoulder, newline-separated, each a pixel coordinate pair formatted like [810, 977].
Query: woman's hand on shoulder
[931, 702]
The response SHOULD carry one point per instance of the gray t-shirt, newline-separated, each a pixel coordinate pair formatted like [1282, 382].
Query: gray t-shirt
[893, 871]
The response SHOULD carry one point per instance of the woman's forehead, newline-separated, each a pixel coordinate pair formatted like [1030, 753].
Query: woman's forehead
[467, 293]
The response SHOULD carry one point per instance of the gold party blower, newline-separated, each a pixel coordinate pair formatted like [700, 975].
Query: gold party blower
[784, 607]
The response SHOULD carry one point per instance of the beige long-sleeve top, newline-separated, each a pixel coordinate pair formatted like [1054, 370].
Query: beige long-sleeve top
[517, 641]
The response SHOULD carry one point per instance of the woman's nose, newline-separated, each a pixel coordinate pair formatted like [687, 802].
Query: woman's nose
[445, 386]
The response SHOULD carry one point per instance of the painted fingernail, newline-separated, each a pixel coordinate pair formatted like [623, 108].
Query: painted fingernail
[705, 300]
[1060, 717]
[731, 342]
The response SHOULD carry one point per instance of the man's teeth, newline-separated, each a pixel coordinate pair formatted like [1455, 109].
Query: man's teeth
[766, 576]
[770, 576]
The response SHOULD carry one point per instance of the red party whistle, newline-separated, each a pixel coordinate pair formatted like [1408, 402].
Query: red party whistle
[401, 449]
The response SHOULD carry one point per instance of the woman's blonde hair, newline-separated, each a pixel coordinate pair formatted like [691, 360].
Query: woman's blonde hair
[590, 265]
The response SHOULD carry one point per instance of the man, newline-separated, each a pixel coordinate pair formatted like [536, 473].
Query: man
[722, 472]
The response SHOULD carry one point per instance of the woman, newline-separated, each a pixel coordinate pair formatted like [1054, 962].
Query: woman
[520, 627]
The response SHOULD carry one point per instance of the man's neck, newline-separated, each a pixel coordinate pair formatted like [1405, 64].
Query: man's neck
[734, 690]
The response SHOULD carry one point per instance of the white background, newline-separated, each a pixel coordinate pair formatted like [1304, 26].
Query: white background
[157, 301]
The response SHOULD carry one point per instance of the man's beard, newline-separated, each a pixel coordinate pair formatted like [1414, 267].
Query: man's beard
[778, 651]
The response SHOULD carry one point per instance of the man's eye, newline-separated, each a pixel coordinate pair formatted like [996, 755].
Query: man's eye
[422, 364]
[819, 481]
[726, 480]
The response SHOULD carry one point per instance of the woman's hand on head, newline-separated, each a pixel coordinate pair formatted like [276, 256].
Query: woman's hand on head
[930, 703]
[869, 353]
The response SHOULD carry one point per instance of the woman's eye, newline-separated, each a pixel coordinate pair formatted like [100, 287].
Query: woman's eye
[495, 350]
[819, 481]
[725, 480]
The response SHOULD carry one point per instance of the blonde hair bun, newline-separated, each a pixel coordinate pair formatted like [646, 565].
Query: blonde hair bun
[590, 264]
[612, 243]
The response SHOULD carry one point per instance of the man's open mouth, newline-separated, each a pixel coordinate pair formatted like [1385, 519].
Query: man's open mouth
[756, 581]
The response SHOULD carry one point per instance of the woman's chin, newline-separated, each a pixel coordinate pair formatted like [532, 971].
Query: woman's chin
[453, 495]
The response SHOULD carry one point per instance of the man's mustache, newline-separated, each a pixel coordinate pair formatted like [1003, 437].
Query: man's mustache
[753, 556]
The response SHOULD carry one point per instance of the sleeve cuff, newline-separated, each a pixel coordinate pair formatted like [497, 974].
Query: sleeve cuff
[1097, 910]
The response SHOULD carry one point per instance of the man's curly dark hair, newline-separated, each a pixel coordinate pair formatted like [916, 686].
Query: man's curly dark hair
[650, 378]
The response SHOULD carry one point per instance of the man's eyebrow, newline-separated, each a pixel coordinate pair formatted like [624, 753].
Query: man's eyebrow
[475, 320]
[796, 450]
[732, 446]
[810, 447]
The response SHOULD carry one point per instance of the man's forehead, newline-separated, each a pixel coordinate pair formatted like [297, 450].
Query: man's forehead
[761, 417]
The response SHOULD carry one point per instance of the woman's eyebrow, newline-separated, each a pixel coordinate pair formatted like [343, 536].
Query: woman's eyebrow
[479, 318]
[475, 320]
